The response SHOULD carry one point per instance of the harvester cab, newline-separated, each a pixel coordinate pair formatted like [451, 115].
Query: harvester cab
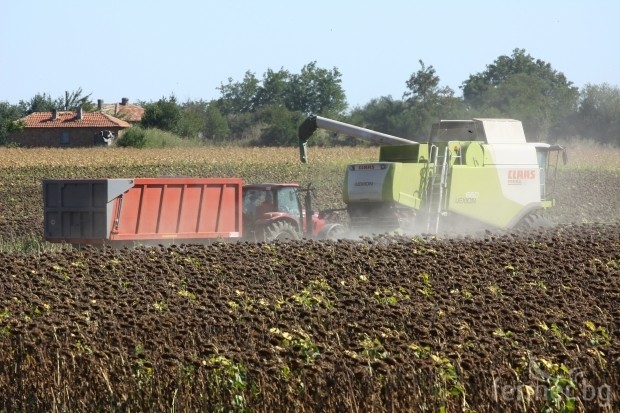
[478, 173]
[548, 160]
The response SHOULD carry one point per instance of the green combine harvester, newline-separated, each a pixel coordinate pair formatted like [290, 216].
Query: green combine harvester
[470, 174]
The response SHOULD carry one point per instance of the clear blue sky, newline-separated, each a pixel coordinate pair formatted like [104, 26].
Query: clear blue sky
[147, 49]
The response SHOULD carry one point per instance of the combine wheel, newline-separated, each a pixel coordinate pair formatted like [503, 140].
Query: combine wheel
[280, 230]
[534, 221]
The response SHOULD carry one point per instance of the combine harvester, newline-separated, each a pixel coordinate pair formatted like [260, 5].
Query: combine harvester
[470, 174]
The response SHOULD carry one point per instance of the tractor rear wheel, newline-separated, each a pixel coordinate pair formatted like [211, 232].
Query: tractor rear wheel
[280, 230]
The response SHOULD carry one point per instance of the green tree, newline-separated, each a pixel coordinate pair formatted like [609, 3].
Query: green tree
[519, 96]
[598, 116]
[250, 105]
[192, 120]
[525, 88]
[9, 120]
[424, 103]
[73, 100]
[385, 115]
[273, 89]
[313, 91]
[280, 126]
[428, 102]
[132, 138]
[41, 102]
[239, 97]
[216, 126]
[423, 87]
[164, 114]
[316, 91]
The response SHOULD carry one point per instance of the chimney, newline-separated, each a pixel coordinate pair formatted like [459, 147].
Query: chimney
[99, 105]
[124, 101]
[54, 114]
[79, 113]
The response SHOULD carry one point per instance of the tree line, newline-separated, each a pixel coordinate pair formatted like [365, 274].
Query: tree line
[266, 111]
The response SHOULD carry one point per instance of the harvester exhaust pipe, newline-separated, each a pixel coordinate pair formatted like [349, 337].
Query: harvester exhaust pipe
[312, 123]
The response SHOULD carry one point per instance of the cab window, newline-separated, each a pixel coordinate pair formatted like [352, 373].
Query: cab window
[252, 199]
[287, 201]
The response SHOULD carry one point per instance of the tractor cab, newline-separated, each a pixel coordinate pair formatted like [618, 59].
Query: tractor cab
[283, 211]
[262, 199]
[272, 211]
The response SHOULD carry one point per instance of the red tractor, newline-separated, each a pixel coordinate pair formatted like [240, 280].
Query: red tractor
[284, 211]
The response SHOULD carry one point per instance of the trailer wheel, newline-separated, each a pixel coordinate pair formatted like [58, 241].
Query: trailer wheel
[280, 230]
[534, 221]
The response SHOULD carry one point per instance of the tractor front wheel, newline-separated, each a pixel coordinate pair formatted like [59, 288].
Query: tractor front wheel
[334, 232]
[280, 230]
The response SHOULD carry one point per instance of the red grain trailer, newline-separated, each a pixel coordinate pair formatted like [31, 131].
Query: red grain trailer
[142, 210]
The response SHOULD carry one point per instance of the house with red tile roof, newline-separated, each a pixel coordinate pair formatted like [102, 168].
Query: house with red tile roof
[68, 129]
[123, 110]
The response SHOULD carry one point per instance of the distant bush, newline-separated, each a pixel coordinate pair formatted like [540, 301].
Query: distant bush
[138, 137]
[134, 137]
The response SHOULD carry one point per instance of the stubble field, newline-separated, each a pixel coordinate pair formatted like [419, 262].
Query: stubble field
[524, 321]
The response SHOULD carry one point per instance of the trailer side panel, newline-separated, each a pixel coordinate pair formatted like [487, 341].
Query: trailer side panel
[97, 211]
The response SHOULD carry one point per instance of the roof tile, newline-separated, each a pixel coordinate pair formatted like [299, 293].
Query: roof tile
[70, 120]
[128, 112]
